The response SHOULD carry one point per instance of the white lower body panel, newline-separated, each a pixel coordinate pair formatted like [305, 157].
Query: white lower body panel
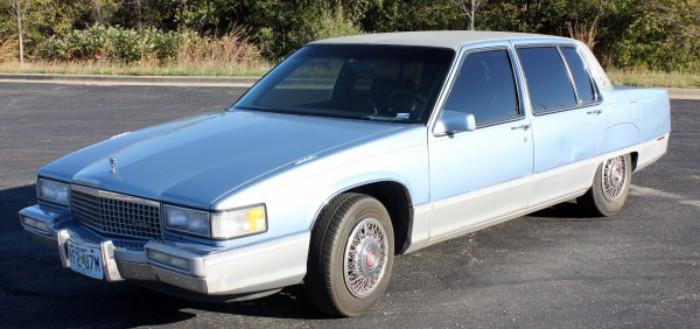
[545, 190]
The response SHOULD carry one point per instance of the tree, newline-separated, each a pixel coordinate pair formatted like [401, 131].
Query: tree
[415, 15]
[469, 8]
[584, 21]
[18, 13]
[660, 35]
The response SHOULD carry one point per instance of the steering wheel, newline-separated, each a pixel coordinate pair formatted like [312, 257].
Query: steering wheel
[404, 101]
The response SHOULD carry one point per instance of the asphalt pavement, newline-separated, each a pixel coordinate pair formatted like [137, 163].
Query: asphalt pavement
[552, 269]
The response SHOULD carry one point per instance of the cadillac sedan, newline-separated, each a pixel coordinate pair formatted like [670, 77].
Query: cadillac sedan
[352, 151]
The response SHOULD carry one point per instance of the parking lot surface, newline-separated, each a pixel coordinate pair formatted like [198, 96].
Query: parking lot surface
[552, 269]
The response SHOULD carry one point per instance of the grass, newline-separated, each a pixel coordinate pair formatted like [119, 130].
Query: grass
[630, 77]
[647, 78]
[204, 69]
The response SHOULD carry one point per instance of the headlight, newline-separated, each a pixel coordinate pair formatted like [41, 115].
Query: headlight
[187, 220]
[240, 222]
[53, 191]
[217, 225]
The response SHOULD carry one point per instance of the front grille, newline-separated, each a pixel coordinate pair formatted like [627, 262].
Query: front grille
[115, 213]
[129, 244]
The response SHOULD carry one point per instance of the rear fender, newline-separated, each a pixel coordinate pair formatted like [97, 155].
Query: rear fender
[619, 136]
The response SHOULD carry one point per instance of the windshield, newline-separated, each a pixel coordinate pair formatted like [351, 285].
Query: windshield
[387, 83]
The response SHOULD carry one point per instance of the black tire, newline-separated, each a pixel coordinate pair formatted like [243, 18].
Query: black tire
[325, 279]
[595, 201]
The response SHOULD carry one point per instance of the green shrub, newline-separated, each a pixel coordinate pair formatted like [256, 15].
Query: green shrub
[149, 46]
[333, 23]
[278, 39]
[111, 44]
[162, 45]
[53, 49]
[124, 45]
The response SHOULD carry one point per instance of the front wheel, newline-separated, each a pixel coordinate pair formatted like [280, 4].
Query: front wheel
[611, 187]
[351, 255]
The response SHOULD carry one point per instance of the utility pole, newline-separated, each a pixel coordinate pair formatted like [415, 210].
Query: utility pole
[18, 12]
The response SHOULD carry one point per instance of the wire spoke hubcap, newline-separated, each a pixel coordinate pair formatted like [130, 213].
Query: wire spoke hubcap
[365, 258]
[614, 176]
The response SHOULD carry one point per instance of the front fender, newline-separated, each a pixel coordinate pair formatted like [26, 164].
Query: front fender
[345, 185]
[295, 197]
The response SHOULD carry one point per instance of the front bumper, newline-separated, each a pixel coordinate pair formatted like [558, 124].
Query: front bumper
[210, 270]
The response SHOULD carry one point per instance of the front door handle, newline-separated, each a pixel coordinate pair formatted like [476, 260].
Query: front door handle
[523, 127]
[596, 112]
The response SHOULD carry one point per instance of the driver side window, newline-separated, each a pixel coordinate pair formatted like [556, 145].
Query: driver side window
[485, 87]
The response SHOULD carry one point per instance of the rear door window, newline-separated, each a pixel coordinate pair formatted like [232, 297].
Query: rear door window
[584, 86]
[485, 87]
[547, 79]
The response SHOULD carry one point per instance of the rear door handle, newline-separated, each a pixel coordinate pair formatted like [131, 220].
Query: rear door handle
[523, 127]
[596, 112]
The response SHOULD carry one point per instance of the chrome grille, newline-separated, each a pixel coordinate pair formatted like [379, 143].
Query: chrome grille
[116, 213]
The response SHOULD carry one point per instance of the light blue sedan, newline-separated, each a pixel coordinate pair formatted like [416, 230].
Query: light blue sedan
[350, 152]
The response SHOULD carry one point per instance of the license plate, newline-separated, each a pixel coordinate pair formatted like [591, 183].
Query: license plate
[85, 260]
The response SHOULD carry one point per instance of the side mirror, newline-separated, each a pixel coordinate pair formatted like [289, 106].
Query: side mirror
[452, 122]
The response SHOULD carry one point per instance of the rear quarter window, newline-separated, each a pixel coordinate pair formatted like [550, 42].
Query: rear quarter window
[584, 86]
[547, 79]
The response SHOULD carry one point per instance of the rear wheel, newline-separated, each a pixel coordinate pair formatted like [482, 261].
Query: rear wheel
[351, 255]
[611, 187]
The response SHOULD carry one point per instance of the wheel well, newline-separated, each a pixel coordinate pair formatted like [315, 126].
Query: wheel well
[634, 156]
[397, 201]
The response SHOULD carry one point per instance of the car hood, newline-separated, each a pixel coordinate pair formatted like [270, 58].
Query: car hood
[195, 161]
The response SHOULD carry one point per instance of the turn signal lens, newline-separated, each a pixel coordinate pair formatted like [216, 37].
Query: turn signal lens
[35, 224]
[240, 222]
[217, 225]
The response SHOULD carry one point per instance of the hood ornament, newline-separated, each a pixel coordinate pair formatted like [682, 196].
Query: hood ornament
[113, 164]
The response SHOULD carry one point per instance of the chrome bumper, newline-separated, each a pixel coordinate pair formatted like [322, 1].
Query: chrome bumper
[209, 270]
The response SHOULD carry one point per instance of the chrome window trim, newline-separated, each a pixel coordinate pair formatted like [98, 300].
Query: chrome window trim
[444, 90]
[462, 54]
[498, 123]
[577, 97]
[566, 109]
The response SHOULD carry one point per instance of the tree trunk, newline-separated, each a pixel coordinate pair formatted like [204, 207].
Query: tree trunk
[19, 31]
[98, 16]
[138, 10]
[471, 17]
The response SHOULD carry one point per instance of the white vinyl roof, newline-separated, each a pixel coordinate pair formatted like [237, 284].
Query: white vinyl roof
[442, 39]
[455, 39]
